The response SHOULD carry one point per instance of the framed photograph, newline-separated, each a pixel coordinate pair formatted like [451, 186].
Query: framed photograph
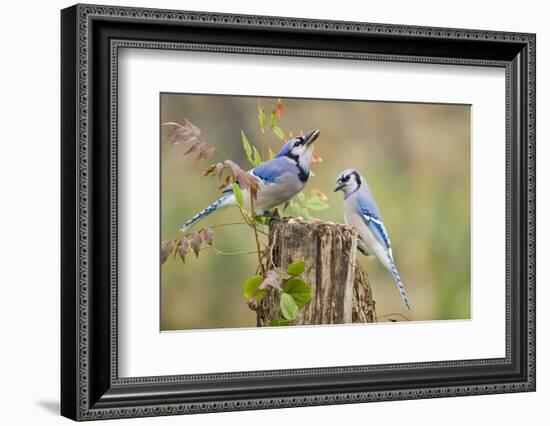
[263, 212]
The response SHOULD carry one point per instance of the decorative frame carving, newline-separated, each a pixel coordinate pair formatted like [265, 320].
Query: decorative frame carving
[91, 388]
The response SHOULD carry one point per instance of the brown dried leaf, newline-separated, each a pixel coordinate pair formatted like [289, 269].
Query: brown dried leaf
[183, 248]
[207, 235]
[166, 250]
[236, 174]
[196, 243]
[233, 168]
[196, 147]
[182, 136]
[194, 129]
[189, 135]
[205, 151]
[272, 279]
[219, 169]
[246, 180]
[282, 272]
[211, 168]
[226, 182]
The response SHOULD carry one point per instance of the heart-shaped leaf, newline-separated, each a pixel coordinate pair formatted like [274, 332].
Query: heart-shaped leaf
[251, 285]
[299, 290]
[296, 268]
[289, 309]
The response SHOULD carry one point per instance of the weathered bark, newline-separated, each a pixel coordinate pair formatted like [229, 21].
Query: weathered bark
[363, 303]
[341, 291]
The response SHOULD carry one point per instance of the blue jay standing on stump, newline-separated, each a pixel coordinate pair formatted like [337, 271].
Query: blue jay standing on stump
[280, 179]
[361, 212]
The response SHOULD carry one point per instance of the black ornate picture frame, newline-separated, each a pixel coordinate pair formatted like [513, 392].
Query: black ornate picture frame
[91, 387]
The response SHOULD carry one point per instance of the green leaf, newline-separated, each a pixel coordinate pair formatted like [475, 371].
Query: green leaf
[257, 158]
[301, 197]
[289, 309]
[238, 194]
[261, 294]
[247, 217]
[272, 119]
[293, 208]
[246, 146]
[251, 285]
[278, 323]
[305, 214]
[296, 268]
[299, 290]
[271, 154]
[279, 132]
[315, 204]
[262, 220]
[261, 118]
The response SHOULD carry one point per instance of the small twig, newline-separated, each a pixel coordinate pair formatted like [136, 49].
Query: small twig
[255, 228]
[236, 253]
[236, 223]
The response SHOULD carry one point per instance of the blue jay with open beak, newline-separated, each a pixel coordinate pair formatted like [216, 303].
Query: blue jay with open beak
[280, 179]
[361, 212]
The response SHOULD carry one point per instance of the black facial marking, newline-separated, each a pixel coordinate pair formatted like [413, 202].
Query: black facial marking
[302, 174]
[357, 178]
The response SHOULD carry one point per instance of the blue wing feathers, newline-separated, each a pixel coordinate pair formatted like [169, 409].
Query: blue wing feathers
[372, 218]
[270, 171]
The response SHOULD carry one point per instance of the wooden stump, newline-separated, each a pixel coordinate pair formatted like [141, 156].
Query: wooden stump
[341, 290]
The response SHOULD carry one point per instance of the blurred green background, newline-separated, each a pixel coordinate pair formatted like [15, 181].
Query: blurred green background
[415, 157]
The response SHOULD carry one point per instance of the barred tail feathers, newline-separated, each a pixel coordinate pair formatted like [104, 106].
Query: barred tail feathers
[225, 201]
[399, 283]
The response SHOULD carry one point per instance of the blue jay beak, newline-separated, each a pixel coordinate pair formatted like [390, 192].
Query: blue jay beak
[311, 136]
[339, 186]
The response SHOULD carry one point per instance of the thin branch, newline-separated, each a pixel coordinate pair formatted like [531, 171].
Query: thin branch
[234, 253]
[255, 228]
[238, 223]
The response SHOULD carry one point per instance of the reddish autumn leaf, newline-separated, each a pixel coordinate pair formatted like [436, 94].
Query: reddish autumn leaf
[316, 159]
[279, 110]
[166, 250]
[272, 279]
[218, 168]
[190, 137]
[207, 235]
[196, 243]
[183, 248]
[320, 195]
[193, 148]
[246, 181]
[205, 152]
[194, 129]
